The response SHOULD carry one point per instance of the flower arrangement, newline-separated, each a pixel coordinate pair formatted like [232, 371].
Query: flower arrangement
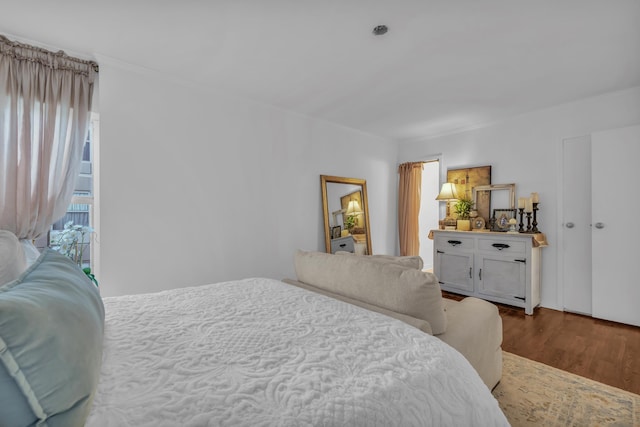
[71, 242]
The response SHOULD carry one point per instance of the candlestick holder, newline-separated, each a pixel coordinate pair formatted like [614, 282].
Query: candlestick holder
[521, 229]
[534, 229]
[528, 222]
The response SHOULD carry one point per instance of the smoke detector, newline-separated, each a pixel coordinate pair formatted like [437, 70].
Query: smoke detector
[379, 30]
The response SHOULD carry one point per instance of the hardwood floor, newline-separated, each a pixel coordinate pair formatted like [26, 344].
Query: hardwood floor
[604, 351]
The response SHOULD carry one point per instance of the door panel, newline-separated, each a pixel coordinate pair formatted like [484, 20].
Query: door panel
[616, 233]
[576, 222]
[455, 270]
[501, 276]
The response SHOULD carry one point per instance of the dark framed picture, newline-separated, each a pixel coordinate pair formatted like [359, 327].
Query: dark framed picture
[500, 219]
[335, 231]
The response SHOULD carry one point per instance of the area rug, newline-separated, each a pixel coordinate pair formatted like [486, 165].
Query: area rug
[534, 394]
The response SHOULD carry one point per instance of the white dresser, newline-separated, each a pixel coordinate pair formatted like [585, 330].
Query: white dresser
[346, 244]
[495, 266]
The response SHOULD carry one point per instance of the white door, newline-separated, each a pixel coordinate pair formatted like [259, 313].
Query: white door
[576, 222]
[616, 230]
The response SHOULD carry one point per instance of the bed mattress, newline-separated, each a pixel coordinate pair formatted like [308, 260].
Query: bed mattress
[259, 352]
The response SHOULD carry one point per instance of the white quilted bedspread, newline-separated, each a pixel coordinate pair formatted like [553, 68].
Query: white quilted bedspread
[259, 352]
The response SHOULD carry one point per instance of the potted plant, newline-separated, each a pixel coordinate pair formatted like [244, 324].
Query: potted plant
[463, 208]
[350, 222]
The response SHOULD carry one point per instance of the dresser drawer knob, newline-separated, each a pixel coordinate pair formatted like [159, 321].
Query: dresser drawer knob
[500, 246]
[454, 242]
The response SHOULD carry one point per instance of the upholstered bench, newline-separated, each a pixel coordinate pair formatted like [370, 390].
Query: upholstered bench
[397, 287]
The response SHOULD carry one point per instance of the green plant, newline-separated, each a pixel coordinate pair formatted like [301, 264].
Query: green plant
[71, 242]
[463, 208]
[350, 222]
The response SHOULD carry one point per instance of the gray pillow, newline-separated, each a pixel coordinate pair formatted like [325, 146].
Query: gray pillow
[51, 331]
[387, 285]
[404, 261]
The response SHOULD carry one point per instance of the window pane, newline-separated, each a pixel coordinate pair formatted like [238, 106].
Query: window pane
[75, 241]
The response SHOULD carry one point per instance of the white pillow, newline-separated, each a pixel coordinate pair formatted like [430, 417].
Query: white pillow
[12, 259]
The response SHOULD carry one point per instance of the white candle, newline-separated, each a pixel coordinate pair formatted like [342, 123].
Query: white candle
[528, 207]
[535, 198]
[521, 202]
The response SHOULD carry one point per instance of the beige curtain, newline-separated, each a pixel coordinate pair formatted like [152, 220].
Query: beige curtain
[45, 99]
[409, 207]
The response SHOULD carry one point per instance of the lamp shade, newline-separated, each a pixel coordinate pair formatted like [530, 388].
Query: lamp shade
[353, 208]
[448, 192]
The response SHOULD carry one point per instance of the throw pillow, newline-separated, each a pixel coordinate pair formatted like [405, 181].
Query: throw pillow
[51, 331]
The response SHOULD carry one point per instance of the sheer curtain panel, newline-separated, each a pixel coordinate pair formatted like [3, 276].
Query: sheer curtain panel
[45, 100]
[409, 207]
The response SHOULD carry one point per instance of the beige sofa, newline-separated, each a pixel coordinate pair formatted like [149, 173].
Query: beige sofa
[397, 287]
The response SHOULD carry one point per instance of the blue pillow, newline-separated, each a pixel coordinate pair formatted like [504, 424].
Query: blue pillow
[51, 332]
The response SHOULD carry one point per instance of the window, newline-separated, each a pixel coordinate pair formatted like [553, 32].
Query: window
[80, 211]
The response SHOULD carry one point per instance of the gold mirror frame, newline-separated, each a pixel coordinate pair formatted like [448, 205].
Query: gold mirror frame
[331, 217]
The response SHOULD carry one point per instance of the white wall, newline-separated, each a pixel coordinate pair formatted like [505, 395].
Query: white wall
[527, 150]
[198, 187]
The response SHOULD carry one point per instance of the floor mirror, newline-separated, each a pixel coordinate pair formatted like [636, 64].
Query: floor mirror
[346, 214]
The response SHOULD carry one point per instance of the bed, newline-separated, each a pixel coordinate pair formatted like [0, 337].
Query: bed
[260, 352]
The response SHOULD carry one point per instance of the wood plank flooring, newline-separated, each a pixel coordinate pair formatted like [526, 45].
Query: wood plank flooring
[604, 351]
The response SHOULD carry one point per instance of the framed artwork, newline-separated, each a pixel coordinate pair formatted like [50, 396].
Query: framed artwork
[335, 231]
[466, 179]
[500, 219]
[478, 223]
[504, 195]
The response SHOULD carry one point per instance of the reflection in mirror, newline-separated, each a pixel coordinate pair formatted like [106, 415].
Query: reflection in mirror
[346, 214]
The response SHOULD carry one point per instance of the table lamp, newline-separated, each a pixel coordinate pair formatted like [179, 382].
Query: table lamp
[448, 193]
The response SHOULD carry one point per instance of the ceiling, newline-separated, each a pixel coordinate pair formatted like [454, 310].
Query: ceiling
[444, 66]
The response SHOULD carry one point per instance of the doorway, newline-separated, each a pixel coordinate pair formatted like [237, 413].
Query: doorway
[429, 209]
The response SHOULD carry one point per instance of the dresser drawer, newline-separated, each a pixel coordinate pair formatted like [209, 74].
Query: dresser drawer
[502, 246]
[342, 244]
[446, 243]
